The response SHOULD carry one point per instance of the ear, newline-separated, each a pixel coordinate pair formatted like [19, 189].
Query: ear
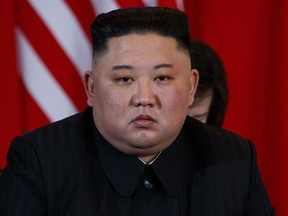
[194, 79]
[89, 87]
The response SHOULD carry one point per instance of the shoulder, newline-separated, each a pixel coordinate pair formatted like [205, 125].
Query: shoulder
[225, 170]
[68, 123]
[217, 141]
[45, 159]
[72, 126]
[64, 138]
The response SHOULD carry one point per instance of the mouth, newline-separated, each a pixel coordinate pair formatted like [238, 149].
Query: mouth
[143, 121]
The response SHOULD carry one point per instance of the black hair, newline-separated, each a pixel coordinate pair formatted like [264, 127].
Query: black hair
[167, 22]
[212, 76]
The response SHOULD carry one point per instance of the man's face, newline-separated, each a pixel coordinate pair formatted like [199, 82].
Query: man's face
[140, 91]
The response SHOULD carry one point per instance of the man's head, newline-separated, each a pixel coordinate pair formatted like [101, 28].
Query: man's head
[141, 83]
[166, 22]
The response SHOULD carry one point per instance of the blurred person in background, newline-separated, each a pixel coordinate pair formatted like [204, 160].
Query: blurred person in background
[211, 97]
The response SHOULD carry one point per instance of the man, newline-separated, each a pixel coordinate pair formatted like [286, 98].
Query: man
[134, 151]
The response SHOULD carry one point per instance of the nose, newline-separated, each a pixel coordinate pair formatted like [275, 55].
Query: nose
[144, 94]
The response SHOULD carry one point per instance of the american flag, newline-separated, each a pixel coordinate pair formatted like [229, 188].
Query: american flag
[52, 45]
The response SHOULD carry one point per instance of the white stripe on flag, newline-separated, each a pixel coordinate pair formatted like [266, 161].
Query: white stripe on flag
[101, 6]
[180, 5]
[45, 90]
[150, 3]
[66, 29]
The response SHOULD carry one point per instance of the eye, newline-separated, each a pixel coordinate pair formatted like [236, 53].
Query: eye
[163, 78]
[124, 80]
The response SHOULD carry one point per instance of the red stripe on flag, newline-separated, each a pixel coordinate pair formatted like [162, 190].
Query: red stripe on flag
[52, 54]
[130, 3]
[9, 88]
[167, 3]
[192, 9]
[33, 117]
[84, 12]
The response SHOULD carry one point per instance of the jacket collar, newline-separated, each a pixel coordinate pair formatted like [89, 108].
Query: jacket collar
[124, 171]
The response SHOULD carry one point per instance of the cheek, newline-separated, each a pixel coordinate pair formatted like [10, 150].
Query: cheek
[108, 100]
[176, 99]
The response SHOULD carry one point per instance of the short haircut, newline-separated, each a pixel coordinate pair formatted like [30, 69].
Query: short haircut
[212, 76]
[167, 22]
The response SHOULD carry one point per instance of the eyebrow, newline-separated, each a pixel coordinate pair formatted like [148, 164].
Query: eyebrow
[122, 67]
[129, 67]
[163, 66]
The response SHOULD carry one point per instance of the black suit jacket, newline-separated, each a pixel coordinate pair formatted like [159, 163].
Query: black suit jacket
[55, 170]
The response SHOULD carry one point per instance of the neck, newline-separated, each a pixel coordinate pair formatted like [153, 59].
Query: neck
[149, 159]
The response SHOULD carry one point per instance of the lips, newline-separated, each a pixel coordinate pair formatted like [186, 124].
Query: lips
[143, 120]
[144, 117]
